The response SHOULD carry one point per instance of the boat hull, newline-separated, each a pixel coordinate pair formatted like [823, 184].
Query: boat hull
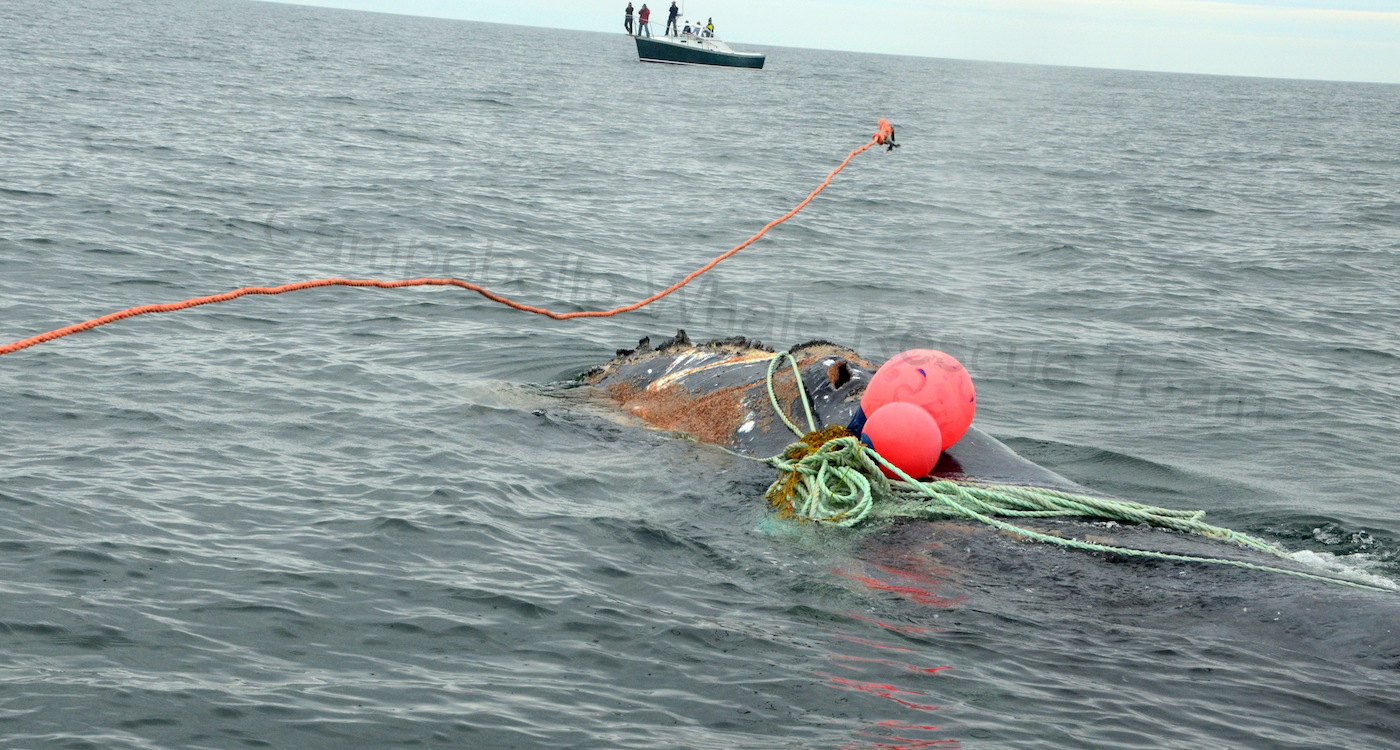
[653, 50]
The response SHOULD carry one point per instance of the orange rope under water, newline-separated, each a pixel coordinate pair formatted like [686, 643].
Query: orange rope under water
[885, 135]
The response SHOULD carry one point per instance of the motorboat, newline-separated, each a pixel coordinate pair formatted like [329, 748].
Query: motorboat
[689, 49]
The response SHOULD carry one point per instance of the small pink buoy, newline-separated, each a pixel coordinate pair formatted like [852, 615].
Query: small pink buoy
[907, 436]
[930, 379]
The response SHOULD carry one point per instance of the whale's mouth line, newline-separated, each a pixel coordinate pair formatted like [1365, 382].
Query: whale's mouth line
[676, 372]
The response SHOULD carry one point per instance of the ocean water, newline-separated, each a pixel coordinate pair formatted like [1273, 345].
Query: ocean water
[369, 518]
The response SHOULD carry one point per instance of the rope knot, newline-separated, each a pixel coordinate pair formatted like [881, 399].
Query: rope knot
[826, 476]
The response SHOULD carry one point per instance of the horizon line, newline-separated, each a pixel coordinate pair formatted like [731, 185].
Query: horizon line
[323, 5]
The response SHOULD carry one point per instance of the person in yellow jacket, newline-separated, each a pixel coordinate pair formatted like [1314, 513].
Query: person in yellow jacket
[710, 27]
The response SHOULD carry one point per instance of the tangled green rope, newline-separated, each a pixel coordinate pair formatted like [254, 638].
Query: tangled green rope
[832, 478]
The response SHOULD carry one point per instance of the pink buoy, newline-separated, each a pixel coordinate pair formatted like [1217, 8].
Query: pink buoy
[930, 379]
[907, 436]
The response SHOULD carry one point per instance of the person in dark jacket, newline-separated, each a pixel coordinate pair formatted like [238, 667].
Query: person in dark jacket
[627, 20]
[671, 28]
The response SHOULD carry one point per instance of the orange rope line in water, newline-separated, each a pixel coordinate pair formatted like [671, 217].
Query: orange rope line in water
[885, 135]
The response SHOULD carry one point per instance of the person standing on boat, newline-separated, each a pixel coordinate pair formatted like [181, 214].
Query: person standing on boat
[671, 28]
[710, 28]
[627, 20]
[644, 20]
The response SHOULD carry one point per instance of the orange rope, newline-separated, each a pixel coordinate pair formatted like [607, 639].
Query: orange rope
[885, 134]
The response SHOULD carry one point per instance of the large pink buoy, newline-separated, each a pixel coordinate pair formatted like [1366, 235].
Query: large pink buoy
[930, 379]
[906, 436]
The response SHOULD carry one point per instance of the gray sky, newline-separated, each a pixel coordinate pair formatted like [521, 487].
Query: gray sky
[1351, 40]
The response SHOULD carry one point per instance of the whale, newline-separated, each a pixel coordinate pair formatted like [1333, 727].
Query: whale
[717, 393]
[947, 583]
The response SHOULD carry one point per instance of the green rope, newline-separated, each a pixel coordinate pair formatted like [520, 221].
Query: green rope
[801, 393]
[840, 483]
